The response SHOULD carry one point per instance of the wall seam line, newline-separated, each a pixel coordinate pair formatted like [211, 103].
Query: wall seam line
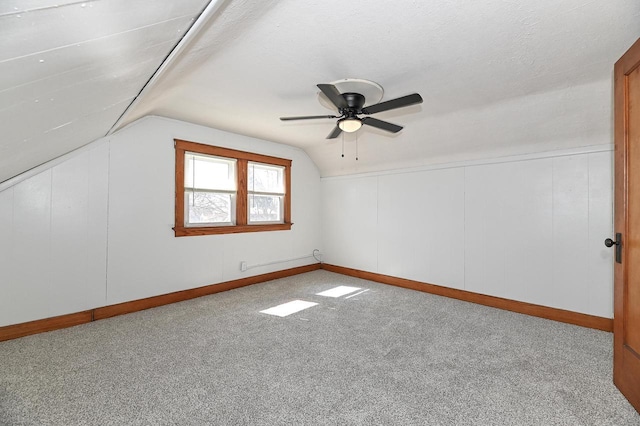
[106, 263]
[553, 222]
[378, 224]
[464, 228]
[50, 257]
[589, 294]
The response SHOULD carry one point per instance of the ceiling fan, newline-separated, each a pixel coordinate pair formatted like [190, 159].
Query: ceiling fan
[350, 105]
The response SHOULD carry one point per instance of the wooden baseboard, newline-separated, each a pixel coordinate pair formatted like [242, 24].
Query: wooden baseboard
[561, 315]
[63, 321]
[179, 296]
[40, 326]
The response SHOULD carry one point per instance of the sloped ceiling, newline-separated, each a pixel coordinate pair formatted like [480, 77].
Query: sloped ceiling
[497, 77]
[69, 69]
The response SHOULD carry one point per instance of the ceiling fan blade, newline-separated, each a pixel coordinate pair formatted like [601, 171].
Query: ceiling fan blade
[393, 104]
[334, 96]
[307, 117]
[334, 133]
[384, 125]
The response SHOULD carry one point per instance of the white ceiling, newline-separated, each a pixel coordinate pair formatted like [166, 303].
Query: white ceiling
[68, 69]
[497, 77]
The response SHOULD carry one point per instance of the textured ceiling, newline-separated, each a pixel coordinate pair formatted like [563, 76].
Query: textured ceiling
[497, 77]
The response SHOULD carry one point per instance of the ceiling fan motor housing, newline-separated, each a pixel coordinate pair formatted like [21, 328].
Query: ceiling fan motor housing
[355, 101]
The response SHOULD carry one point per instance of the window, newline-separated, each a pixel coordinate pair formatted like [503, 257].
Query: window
[266, 193]
[221, 190]
[209, 190]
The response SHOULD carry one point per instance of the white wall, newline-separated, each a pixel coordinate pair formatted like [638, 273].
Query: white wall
[95, 229]
[528, 228]
[145, 258]
[53, 239]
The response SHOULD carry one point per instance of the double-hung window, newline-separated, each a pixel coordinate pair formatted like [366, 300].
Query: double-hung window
[266, 193]
[209, 190]
[221, 190]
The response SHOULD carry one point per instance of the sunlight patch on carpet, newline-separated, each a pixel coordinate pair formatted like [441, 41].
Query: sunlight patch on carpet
[288, 308]
[338, 291]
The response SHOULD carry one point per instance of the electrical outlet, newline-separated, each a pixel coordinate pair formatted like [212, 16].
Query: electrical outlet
[243, 266]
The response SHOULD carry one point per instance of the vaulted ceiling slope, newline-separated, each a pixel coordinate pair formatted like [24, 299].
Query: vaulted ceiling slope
[497, 77]
[69, 69]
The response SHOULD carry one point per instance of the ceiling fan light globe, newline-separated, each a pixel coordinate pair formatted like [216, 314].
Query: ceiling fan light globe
[350, 125]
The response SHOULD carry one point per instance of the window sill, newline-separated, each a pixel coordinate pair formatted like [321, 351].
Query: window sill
[181, 231]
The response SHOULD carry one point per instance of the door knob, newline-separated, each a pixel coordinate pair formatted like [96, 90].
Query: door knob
[618, 243]
[610, 243]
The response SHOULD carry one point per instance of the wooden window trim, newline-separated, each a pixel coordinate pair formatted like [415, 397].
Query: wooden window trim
[242, 158]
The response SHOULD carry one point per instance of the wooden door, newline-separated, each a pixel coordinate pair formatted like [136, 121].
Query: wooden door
[626, 362]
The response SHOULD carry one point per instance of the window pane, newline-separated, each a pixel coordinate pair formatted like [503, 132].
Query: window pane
[265, 208]
[206, 172]
[209, 207]
[265, 178]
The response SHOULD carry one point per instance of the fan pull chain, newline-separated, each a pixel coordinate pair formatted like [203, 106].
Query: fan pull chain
[342, 144]
[356, 146]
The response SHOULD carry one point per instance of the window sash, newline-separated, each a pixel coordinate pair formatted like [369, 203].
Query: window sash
[271, 187]
[194, 175]
[251, 203]
[269, 178]
[188, 209]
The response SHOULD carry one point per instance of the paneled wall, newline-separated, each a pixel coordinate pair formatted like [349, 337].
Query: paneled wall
[529, 228]
[95, 228]
[145, 259]
[53, 239]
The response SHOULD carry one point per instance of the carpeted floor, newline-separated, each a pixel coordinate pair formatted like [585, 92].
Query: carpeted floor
[386, 356]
